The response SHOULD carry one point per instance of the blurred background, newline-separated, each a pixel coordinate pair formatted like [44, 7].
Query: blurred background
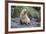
[33, 11]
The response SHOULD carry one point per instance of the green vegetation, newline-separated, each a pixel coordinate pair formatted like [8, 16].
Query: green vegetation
[33, 11]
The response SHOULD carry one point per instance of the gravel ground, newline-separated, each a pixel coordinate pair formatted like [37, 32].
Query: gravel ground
[15, 23]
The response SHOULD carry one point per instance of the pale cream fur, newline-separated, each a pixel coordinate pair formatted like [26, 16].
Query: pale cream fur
[24, 17]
